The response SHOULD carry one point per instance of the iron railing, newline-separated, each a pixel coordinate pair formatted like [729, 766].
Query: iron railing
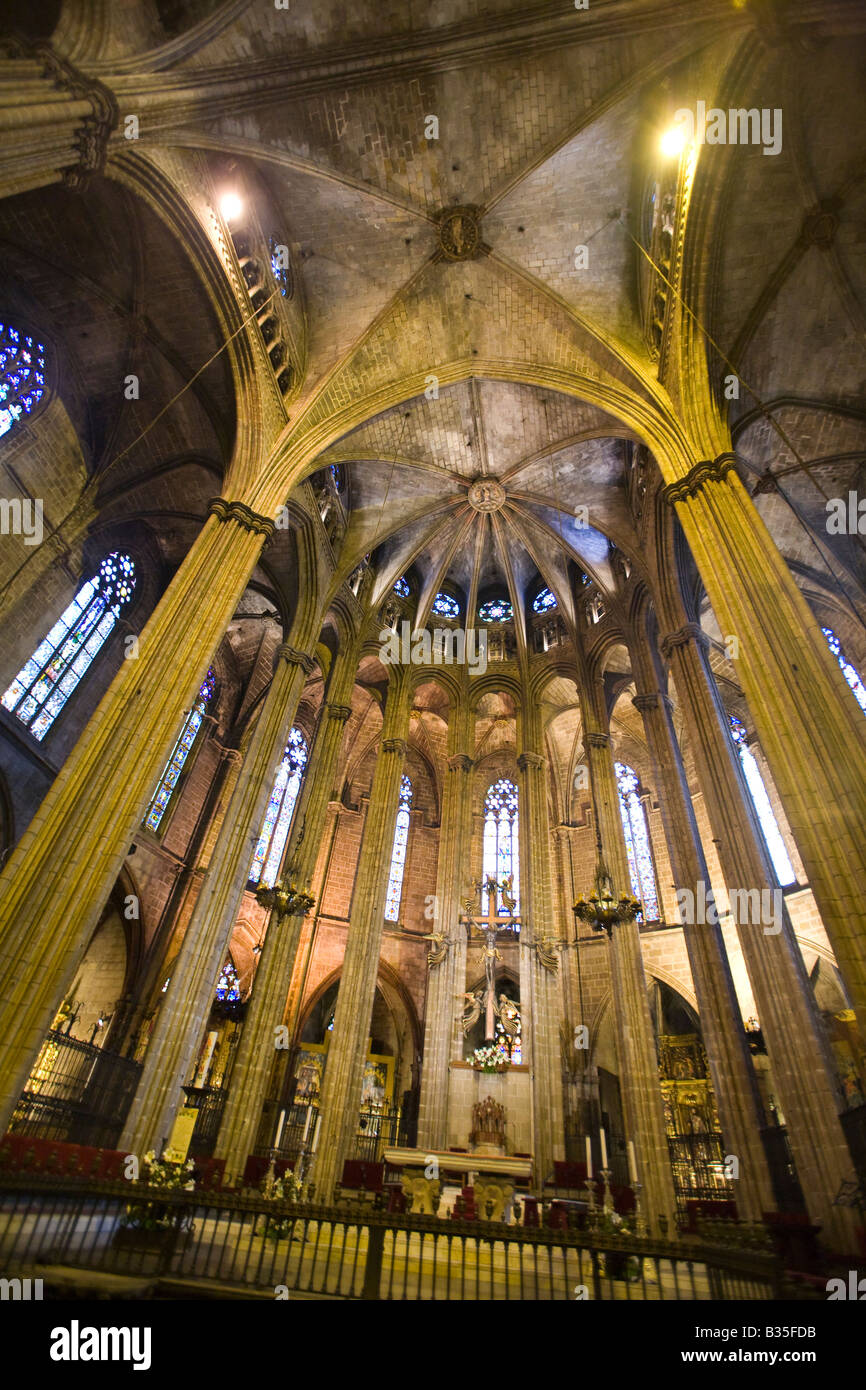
[77, 1092]
[261, 1247]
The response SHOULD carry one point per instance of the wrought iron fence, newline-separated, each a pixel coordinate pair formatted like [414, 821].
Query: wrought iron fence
[377, 1130]
[76, 1092]
[698, 1167]
[263, 1247]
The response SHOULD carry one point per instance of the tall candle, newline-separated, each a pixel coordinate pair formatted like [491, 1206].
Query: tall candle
[632, 1165]
[588, 1158]
[307, 1125]
[280, 1129]
[603, 1138]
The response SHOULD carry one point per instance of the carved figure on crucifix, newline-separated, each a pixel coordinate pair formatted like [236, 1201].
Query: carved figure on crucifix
[488, 924]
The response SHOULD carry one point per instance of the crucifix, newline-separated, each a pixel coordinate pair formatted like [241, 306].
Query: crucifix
[488, 924]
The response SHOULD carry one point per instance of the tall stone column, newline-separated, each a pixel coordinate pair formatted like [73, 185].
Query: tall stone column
[540, 999]
[185, 1009]
[809, 725]
[731, 1069]
[54, 886]
[635, 1039]
[445, 981]
[802, 1069]
[253, 1065]
[341, 1089]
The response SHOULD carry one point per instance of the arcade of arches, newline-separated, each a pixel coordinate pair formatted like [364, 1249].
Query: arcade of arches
[377, 550]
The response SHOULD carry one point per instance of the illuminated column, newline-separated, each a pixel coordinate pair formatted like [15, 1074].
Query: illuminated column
[798, 1050]
[445, 981]
[252, 1068]
[56, 881]
[635, 1040]
[341, 1088]
[540, 997]
[184, 1011]
[809, 725]
[731, 1069]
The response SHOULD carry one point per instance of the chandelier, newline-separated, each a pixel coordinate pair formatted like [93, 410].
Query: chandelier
[285, 898]
[601, 910]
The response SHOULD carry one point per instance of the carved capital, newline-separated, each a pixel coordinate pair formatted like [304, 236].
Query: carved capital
[651, 700]
[91, 136]
[527, 760]
[706, 471]
[233, 755]
[341, 712]
[461, 762]
[690, 632]
[294, 657]
[395, 745]
[243, 515]
[597, 740]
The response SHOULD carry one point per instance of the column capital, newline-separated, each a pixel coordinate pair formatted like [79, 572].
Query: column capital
[232, 755]
[294, 657]
[341, 712]
[395, 745]
[528, 760]
[650, 700]
[703, 472]
[689, 632]
[597, 740]
[243, 515]
[461, 762]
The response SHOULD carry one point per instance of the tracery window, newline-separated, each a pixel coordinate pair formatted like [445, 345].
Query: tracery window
[761, 801]
[228, 985]
[281, 267]
[174, 766]
[398, 853]
[22, 375]
[544, 601]
[502, 841]
[446, 606]
[496, 610]
[402, 588]
[278, 816]
[637, 842]
[850, 672]
[42, 687]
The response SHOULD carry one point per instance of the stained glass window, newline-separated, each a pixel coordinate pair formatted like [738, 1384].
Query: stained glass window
[22, 375]
[278, 817]
[637, 843]
[849, 672]
[402, 588]
[398, 854]
[502, 842]
[281, 267]
[510, 1047]
[42, 687]
[446, 606]
[497, 610]
[228, 985]
[337, 476]
[544, 601]
[761, 801]
[174, 766]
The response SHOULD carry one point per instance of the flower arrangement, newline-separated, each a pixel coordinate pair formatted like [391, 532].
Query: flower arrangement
[172, 1175]
[287, 1190]
[489, 1059]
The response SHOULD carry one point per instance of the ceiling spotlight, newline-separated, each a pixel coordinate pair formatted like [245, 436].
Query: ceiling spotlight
[673, 142]
[231, 206]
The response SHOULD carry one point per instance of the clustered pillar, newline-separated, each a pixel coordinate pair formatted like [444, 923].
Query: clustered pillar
[341, 1089]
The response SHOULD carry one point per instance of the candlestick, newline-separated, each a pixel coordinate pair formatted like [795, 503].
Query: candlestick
[603, 1138]
[632, 1165]
[607, 1204]
[588, 1157]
